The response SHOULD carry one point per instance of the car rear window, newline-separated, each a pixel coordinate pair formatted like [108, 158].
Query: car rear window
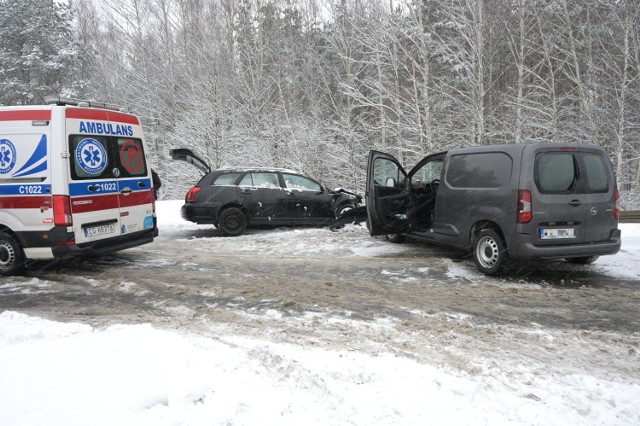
[226, 179]
[481, 170]
[571, 172]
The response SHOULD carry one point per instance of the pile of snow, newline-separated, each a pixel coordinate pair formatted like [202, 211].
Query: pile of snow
[73, 374]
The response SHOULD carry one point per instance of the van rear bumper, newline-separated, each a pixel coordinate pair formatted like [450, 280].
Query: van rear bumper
[526, 250]
[106, 246]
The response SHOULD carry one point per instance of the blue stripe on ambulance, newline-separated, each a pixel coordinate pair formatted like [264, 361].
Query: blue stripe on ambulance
[107, 186]
[40, 154]
[26, 189]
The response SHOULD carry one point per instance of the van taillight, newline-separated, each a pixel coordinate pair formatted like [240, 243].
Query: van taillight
[616, 205]
[191, 195]
[62, 210]
[524, 206]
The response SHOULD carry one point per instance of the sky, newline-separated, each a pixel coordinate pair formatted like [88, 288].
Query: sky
[55, 373]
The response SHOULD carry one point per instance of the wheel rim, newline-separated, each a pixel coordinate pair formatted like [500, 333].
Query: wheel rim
[232, 221]
[487, 252]
[7, 255]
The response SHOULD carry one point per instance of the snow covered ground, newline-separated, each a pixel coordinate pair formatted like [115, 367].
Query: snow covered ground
[54, 373]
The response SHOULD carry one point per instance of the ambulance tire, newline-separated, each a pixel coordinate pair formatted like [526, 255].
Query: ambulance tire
[232, 221]
[11, 255]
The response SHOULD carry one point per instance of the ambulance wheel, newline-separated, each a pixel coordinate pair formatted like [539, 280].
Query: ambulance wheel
[11, 256]
[232, 221]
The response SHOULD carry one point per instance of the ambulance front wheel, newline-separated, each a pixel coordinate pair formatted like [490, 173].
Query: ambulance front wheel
[11, 256]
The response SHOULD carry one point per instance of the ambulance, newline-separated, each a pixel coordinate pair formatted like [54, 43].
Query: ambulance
[74, 180]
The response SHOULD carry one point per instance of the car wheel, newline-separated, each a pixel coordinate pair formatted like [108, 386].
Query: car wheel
[232, 221]
[395, 238]
[489, 252]
[583, 260]
[11, 256]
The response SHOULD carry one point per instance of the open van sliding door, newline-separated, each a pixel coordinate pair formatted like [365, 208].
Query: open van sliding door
[389, 205]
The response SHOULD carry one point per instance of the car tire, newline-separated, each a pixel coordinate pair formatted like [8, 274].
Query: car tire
[395, 238]
[232, 221]
[583, 260]
[11, 255]
[489, 252]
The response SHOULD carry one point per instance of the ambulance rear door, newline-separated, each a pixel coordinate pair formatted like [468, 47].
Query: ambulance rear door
[110, 185]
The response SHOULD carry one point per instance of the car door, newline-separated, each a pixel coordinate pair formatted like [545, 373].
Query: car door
[389, 204]
[135, 188]
[599, 186]
[306, 200]
[93, 188]
[558, 200]
[263, 197]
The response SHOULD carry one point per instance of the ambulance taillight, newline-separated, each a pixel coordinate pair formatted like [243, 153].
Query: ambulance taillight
[62, 210]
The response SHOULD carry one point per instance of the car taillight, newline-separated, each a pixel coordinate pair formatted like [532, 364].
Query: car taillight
[524, 206]
[616, 205]
[62, 210]
[191, 195]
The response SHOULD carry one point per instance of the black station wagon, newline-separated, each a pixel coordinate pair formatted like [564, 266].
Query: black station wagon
[234, 198]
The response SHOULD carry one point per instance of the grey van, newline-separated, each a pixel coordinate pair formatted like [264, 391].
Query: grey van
[512, 201]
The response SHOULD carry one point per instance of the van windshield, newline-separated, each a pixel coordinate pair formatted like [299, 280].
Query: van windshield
[571, 173]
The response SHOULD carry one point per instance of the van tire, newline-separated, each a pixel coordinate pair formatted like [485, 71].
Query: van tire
[232, 221]
[11, 255]
[489, 252]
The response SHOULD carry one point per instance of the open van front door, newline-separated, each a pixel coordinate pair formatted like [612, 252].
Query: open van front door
[389, 205]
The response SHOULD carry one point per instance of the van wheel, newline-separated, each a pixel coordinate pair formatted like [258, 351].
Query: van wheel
[489, 252]
[232, 221]
[395, 238]
[11, 256]
[583, 260]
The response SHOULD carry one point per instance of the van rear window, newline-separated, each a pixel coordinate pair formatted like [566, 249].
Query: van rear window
[481, 170]
[571, 173]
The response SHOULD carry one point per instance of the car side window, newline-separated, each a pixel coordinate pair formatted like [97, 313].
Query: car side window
[301, 183]
[479, 170]
[261, 180]
[387, 173]
[427, 173]
[226, 179]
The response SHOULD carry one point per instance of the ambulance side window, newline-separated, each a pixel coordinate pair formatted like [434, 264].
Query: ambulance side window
[130, 159]
[90, 157]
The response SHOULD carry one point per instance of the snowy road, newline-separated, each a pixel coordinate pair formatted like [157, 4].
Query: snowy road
[544, 332]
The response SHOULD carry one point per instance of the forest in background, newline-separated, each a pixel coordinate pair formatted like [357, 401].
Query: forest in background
[313, 85]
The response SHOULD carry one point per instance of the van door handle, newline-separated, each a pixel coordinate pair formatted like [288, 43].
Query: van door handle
[126, 191]
[575, 203]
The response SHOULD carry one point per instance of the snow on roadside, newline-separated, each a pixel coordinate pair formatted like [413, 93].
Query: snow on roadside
[72, 374]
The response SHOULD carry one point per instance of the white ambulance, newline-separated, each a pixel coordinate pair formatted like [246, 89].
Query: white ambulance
[73, 180]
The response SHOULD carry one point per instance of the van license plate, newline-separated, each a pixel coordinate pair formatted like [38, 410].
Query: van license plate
[557, 233]
[96, 231]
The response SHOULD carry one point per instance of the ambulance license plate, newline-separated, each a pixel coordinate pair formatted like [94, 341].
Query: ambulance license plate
[97, 231]
[557, 233]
